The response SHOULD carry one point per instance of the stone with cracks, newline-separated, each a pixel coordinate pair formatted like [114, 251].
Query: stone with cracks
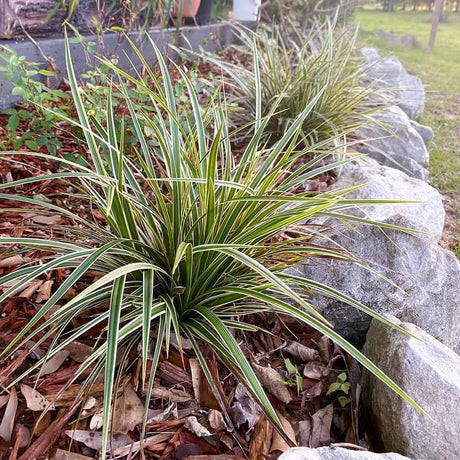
[393, 141]
[430, 373]
[335, 453]
[424, 287]
[385, 183]
[426, 133]
[405, 90]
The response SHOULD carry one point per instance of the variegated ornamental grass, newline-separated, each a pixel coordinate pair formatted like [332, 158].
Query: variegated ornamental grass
[294, 68]
[188, 242]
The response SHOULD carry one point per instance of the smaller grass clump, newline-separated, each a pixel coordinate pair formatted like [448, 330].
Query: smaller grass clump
[295, 70]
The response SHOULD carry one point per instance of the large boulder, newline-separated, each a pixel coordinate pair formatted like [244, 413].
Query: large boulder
[335, 453]
[393, 141]
[430, 373]
[422, 282]
[405, 90]
[385, 183]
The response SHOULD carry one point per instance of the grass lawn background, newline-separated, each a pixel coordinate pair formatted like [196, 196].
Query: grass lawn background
[440, 73]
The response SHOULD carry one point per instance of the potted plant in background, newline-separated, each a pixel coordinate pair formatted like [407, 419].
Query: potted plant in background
[185, 8]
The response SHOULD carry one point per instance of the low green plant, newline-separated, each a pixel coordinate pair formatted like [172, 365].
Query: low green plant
[341, 385]
[294, 378]
[188, 241]
[38, 96]
[323, 68]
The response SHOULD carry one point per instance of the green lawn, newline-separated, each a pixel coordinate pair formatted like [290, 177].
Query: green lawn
[440, 72]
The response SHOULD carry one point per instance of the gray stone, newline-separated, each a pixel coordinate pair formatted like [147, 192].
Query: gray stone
[426, 133]
[393, 141]
[335, 453]
[405, 90]
[424, 287]
[430, 373]
[385, 183]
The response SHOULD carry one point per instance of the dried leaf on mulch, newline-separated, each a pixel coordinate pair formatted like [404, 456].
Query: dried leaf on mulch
[261, 440]
[7, 424]
[54, 363]
[302, 352]
[273, 382]
[93, 439]
[278, 443]
[321, 429]
[35, 401]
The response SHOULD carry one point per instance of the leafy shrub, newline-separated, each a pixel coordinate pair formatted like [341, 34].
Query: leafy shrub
[322, 68]
[42, 107]
[187, 244]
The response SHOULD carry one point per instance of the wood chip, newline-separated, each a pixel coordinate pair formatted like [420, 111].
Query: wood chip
[30, 291]
[174, 395]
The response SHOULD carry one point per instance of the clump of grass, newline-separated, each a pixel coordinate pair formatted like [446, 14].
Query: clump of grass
[187, 244]
[294, 71]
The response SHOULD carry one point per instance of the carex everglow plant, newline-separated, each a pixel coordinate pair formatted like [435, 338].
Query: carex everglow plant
[188, 243]
[293, 71]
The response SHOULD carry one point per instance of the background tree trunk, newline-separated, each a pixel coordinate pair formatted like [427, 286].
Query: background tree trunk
[438, 6]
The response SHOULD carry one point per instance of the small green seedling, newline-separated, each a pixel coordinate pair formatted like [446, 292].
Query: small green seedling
[341, 385]
[294, 377]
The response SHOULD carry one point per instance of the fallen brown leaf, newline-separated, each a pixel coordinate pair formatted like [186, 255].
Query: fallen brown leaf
[321, 429]
[273, 382]
[278, 443]
[54, 363]
[44, 292]
[78, 351]
[93, 439]
[35, 401]
[302, 352]
[7, 425]
[128, 411]
[66, 455]
[259, 447]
